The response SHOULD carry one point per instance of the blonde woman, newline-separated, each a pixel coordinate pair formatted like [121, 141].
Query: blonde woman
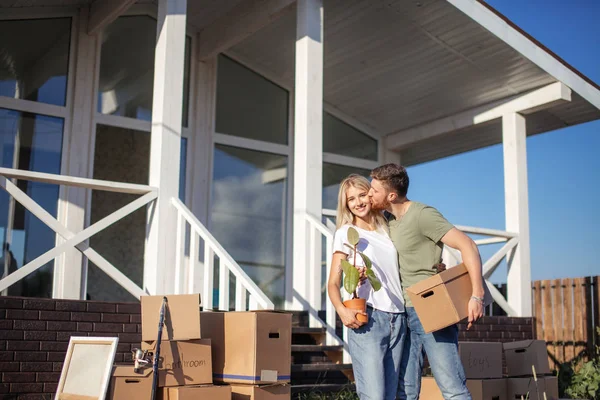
[375, 347]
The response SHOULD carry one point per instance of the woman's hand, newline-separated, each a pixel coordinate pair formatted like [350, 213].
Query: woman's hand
[348, 317]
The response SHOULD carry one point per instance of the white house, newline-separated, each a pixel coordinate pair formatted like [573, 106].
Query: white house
[173, 146]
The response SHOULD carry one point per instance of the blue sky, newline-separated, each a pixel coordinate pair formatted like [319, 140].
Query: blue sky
[563, 165]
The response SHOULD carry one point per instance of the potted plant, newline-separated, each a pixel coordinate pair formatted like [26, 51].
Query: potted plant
[352, 276]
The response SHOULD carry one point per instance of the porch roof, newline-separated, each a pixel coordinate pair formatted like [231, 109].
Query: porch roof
[395, 66]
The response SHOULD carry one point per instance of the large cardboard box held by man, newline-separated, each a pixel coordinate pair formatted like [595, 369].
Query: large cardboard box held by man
[268, 392]
[481, 360]
[196, 392]
[182, 317]
[443, 299]
[521, 356]
[130, 385]
[183, 362]
[249, 347]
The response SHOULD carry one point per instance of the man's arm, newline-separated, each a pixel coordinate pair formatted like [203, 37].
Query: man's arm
[472, 260]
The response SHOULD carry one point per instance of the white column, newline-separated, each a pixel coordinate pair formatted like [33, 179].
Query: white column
[517, 211]
[308, 149]
[387, 155]
[70, 266]
[165, 145]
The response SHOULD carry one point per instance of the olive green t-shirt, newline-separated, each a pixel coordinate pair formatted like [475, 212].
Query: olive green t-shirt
[417, 237]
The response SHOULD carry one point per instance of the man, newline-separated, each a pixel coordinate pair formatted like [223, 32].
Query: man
[419, 233]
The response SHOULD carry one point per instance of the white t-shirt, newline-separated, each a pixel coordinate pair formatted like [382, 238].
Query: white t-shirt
[381, 251]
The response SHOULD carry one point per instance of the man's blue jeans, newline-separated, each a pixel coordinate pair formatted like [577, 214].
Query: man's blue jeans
[376, 350]
[441, 348]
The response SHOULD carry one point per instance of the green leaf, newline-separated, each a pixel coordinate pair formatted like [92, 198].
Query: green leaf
[346, 267]
[375, 283]
[350, 278]
[353, 237]
[366, 260]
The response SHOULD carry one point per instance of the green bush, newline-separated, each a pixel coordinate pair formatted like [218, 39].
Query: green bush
[582, 382]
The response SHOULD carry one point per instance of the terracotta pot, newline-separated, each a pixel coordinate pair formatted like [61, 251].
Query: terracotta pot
[360, 305]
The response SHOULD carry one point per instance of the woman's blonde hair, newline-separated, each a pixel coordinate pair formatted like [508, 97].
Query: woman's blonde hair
[344, 215]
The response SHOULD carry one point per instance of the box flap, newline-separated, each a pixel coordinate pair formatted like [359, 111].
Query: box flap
[438, 279]
[182, 317]
[521, 344]
[127, 371]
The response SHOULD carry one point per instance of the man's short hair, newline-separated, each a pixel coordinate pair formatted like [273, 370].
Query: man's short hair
[393, 176]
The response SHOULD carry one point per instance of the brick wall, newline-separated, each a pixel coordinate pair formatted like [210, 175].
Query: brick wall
[498, 329]
[34, 335]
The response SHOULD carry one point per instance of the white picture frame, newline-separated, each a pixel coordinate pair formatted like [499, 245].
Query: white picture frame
[87, 368]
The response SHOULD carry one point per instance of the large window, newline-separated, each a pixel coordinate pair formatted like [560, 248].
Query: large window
[33, 143]
[249, 213]
[34, 59]
[343, 139]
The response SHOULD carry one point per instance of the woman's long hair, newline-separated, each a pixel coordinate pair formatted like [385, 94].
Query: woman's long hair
[344, 215]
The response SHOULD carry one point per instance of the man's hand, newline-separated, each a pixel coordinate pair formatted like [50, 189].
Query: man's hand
[348, 317]
[475, 312]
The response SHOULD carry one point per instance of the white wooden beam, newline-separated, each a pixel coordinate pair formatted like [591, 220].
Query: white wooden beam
[308, 151]
[167, 106]
[103, 12]
[536, 100]
[517, 212]
[484, 15]
[248, 17]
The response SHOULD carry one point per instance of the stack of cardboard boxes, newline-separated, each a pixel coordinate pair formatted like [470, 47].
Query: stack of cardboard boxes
[521, 359]
[482, 363]
[212, 355]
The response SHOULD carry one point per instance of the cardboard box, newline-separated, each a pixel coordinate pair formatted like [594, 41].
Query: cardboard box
[521, 356]
[269, 392]
[250, 347]
[443, 299]
[526, 387]
[127, 384]
[196, 392]
[430, 389]
[182, 319]
[487, 389]
[183, 362]
[551, 387]
[481, 360]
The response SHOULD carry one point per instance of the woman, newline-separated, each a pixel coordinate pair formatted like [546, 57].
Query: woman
[375, 347]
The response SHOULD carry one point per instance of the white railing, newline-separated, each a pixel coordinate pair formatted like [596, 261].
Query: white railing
[318, 231]
[72, 239]
[494, 236]
[187, 267]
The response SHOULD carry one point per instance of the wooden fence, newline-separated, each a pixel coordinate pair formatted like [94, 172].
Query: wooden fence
[566, 315]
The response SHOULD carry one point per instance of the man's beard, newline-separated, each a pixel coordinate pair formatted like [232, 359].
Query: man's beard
[380, 206]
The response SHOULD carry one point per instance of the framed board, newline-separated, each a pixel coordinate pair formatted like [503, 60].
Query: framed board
[87, 368]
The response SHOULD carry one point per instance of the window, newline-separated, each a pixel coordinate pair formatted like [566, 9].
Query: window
[34, 59]
[343, 139]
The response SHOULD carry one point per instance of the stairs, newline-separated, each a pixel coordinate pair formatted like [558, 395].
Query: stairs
[316, 367]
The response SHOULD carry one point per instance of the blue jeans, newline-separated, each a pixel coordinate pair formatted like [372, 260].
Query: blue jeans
[376, 350]
[441, 348]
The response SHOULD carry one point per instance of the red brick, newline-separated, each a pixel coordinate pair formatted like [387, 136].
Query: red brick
[36, 335]
[4, 387]
[114, 328]
[2, 344]
[131, 308]
[9, 366]
[36, 366]
[38, 304]
[135, 318]
[66, 336]
[41, 396]
[495, 335]
[54, 346]
[55, 315]
[101, 307]
[119, 358]
[7, 302]
[50, 388]
[30, 356]
[56, 356]
[6, 324]
[85, 327]
[70, 306]
[22, 314]
[52, 377]
[57, 366]
[86, 317]
[18, 377]
[7, 356]
[26, 388]
[22, 345]
[61, 326]
[29, 325]
[125, 347]
[118, 318]
[130, 337]
[130, 328]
